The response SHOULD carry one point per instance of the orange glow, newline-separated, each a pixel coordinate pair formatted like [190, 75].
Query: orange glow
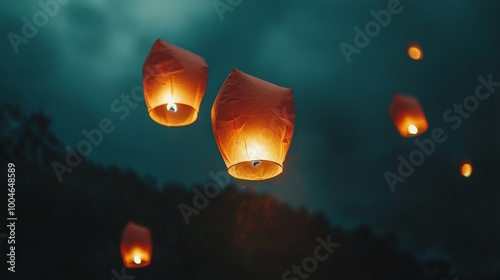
[408, 116]
[136, 248]
[415, 52]
[253, 123]
[466, 169]
[174, 82]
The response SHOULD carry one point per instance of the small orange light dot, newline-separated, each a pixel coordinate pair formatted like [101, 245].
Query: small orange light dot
[466, 169]
[415, 52]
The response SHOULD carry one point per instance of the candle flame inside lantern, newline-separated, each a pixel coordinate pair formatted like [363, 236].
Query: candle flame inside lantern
[172, 107]
[412, 129]
[137, 259]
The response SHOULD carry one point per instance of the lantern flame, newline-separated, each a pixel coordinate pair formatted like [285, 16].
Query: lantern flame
[255, 163]
[172, 107]
[137, 259]
[412, 129]
[466, 169]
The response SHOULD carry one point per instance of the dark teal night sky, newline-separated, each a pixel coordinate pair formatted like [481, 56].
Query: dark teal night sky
[89, 55]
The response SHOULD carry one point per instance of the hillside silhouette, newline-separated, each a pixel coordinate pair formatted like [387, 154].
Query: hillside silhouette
[72, 229]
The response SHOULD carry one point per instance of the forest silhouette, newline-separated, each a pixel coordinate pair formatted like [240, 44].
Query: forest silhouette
[72, 229]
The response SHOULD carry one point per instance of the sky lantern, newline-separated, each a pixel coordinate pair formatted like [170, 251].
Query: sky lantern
[408, 116]
[466, 169]
[415, 52]
[136, 248]
[253, 123]
[174, 82]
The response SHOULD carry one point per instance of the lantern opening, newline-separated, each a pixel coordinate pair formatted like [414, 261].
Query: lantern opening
[255, 170]
[172, 107]
[412, 129]
[174, 114]
[137, 258]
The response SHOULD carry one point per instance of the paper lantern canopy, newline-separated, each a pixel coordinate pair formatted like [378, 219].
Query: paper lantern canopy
[174, 82]
[408, 116]
[253, 123]
[136, 248]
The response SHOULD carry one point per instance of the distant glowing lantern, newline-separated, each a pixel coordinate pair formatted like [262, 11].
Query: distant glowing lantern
[136, 248]
[253, 123]
[415, 52]
[174, 84]
[466, 169]
[408, 116]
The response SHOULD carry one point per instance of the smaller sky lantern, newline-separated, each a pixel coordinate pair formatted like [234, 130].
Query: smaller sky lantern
[253, 123]
[408, 116]
[174, 82]
[136, 248]
[466, 168]
[415, 52]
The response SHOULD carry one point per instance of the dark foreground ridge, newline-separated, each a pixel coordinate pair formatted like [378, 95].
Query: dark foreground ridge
[72, 229]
